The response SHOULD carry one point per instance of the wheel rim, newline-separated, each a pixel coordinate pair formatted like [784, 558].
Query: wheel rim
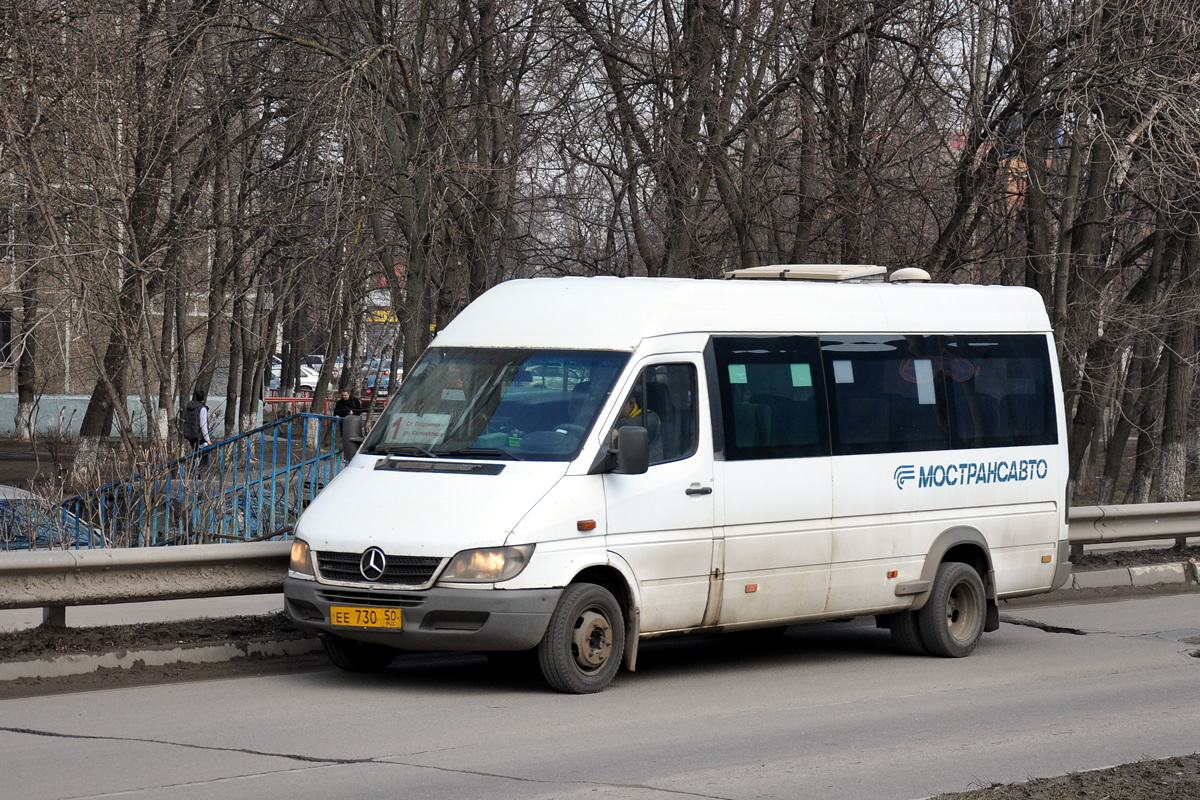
[962, 612]
[591, 640]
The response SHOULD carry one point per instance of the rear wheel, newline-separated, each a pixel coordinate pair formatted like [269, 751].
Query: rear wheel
[951, 621]
[581, 651]
[906, 633]
[358, 656]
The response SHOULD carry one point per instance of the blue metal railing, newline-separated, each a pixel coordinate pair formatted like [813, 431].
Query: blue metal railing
[250, 487]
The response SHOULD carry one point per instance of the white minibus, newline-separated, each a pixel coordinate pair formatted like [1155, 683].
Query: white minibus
[576, 465]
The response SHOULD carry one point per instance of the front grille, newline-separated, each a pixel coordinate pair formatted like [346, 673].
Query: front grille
[360, 597]
[400, 570]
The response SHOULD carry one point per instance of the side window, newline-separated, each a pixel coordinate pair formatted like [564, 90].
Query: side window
[887, 393]
[663, 401]
[1001, 390]
[772, 397]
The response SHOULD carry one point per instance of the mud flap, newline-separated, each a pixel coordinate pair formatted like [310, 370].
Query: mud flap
[992, 621]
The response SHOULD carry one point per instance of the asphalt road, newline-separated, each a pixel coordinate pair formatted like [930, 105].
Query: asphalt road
[825, 712]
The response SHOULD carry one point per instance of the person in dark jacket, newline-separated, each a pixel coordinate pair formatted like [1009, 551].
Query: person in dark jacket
[346, 405]
[195, 422]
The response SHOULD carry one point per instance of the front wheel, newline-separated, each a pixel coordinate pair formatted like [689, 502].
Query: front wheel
[358, 656]
[583, 645]
[951, 621]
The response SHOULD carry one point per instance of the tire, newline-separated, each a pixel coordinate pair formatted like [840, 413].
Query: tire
[906, 633]
[582, 649]
[951, 621]
[355, 656]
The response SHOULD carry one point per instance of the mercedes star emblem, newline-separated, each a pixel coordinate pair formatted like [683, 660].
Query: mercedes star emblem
[372, 564]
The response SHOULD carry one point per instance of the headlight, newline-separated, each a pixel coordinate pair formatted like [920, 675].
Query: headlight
[488, 565]
[301, 562]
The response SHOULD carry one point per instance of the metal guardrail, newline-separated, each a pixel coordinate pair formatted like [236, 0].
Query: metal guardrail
[1134, 523]
[56, 579]
[96, 577]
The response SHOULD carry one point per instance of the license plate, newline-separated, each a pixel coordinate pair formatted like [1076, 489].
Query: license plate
[358, 617]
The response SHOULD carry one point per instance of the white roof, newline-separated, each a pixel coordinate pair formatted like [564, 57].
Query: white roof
[608, 313]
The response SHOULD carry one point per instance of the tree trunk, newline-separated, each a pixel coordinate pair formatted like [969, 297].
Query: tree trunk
[109, 390]
[27, 358]
[1181, 377]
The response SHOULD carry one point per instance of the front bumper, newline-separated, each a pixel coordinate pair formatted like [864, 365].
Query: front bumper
[432, 619]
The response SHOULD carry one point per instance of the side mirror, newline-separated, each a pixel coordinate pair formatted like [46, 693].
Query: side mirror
[633, 450]
[351, 435]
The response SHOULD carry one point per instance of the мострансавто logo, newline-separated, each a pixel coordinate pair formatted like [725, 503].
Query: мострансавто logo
[972, 473]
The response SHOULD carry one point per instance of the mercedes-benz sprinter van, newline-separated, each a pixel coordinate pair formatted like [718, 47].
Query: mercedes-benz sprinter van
[579, 464]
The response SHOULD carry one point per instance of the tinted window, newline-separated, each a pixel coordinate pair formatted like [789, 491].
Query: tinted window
[893, 394]
[772, 397]
[887, 393]
[1001, 391]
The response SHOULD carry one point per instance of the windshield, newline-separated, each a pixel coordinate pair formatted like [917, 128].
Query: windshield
[497, 403]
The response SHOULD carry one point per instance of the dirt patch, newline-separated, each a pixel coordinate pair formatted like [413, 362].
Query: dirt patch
[43, 642]
[181, 672]
[1163, 779]
[1134, 558]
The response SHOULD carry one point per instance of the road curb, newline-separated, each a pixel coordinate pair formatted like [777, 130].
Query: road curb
[80, 664]
[1182, 572]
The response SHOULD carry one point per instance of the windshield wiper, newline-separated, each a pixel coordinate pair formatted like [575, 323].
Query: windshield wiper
[407, 450]
[483, 452]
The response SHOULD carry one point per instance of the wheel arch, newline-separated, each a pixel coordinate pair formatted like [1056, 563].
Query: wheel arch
[967, 545]
[617, 578]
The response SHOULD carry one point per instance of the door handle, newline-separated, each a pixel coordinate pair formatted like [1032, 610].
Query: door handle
[696, 488]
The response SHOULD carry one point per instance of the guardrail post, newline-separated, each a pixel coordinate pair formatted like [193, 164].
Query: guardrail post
[54, 616]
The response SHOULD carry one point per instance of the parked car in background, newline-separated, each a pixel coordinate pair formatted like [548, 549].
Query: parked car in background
[377, 388]
[308, 374]
[377, 377]
[29, 521]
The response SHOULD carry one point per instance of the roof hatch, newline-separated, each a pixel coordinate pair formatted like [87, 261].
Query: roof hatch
[809, 272]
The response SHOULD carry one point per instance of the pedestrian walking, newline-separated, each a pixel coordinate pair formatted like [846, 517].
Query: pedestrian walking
[195, 423]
